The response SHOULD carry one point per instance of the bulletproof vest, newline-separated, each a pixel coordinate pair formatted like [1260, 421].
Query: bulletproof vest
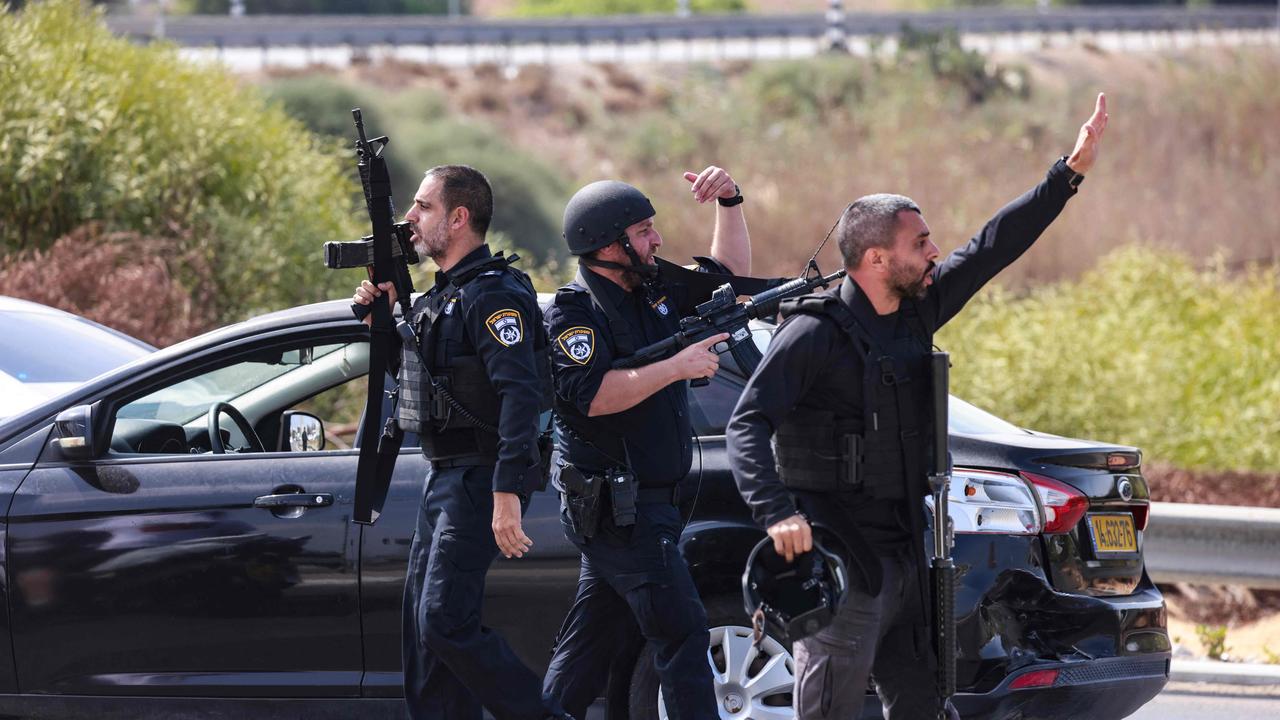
[877, 454]
[454, 394]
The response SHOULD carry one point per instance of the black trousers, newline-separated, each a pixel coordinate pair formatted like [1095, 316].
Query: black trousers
[634, 577]
[453, 665]
[875, 635]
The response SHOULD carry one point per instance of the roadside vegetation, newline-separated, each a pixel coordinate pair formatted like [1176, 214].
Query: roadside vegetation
[567, 8]
[128, 155]
[1145, 349]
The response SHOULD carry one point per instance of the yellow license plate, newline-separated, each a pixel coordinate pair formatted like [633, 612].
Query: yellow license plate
[1113, 533]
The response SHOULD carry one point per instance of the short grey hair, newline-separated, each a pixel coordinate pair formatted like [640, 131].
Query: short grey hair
[870, 221]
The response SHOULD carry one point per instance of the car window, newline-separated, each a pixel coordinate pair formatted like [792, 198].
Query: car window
[52, 348]
[968, 419]
[190, 398]
[326, 380]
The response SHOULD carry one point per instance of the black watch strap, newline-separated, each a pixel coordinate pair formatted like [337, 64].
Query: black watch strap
[1073, 178]
[736, 199]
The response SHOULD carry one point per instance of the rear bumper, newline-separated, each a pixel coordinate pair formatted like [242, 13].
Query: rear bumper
[1102, 689]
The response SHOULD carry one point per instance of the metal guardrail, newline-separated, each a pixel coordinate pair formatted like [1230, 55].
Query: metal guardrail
[375, 30]
[1213, 545]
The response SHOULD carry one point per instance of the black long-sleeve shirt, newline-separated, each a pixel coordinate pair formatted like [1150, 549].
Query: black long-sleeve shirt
[812, 364]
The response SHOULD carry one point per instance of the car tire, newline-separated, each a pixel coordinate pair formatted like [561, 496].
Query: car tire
[737, 687]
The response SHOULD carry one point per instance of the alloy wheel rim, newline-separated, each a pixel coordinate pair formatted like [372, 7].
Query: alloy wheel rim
[750, 684]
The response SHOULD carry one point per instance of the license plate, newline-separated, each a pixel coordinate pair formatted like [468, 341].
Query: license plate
[1113, 533]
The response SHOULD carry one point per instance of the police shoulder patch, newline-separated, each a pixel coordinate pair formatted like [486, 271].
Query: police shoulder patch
[506, 326]
[579, 343]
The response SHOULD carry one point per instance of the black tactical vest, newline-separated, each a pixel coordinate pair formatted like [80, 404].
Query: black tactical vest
[821, 451]
[455, 412]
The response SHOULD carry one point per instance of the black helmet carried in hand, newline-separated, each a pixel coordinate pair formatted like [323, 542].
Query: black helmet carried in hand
[600, 213]
[797, 599]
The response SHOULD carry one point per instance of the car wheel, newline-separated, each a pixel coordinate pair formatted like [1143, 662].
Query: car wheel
[750, 683]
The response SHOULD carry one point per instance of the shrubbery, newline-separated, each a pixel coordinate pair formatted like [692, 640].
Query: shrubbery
[529, 195]
[622, 7]
[98, 129]
[1145, 350]
[327, 7]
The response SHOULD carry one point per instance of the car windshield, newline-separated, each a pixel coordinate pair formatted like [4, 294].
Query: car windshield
[53, 348]
[184, 401]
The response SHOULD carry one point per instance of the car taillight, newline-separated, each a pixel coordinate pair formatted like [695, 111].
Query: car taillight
[1140, 514]
[1035, 678]
[981, 501]
[1063, 504]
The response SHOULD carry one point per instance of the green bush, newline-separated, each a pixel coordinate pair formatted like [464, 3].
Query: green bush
[529, 195]
[563, 8]
[98, 129]
[328, 7]
[1144, 350]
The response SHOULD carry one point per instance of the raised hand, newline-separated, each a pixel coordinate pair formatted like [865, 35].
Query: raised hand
[714, 182]
[1086, 152]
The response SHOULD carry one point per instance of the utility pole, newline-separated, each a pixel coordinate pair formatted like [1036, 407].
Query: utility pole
[835, 40]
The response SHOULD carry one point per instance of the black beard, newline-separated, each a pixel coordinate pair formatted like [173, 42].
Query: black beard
[912, 289]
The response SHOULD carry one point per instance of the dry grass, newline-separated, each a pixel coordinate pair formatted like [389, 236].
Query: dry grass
[1190, 158]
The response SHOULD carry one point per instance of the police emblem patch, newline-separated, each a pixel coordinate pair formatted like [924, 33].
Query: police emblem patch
[506, 326]
[661, 306]
[579, 343]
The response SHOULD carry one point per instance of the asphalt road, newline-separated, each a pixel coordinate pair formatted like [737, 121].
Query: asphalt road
[1188, 701]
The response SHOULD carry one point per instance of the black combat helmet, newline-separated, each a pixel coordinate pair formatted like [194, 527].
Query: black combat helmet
[600, 213]
[797, 599]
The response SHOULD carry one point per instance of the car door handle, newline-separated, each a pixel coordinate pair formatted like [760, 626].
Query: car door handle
[294, 500]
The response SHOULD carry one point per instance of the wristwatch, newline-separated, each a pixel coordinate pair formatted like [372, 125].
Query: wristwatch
[1073, 178]
[736, 199]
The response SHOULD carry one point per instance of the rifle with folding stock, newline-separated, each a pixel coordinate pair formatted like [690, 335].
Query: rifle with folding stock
[723, 314]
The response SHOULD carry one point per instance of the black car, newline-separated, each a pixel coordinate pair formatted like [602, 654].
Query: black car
[178, 542]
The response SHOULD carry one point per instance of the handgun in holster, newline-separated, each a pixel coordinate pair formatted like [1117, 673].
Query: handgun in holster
[582, 494]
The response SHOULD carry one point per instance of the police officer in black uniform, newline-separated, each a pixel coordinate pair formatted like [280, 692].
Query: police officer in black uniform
[627, 443]
[484, 344]
[843, 394]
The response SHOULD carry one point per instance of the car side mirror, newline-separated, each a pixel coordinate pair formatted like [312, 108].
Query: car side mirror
[75, 433]
[300, 432]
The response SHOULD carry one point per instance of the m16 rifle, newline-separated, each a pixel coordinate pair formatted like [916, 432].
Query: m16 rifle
[944, 569]
[387, 253]
[723, 314]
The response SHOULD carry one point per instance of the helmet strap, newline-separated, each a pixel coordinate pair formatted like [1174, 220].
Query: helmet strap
[649, 274]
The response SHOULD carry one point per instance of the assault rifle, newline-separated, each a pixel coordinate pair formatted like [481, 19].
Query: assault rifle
[944, 569]
[723, 314]
[387, 253]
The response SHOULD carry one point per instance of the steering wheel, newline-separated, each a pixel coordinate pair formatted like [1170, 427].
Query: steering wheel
[215, 432]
